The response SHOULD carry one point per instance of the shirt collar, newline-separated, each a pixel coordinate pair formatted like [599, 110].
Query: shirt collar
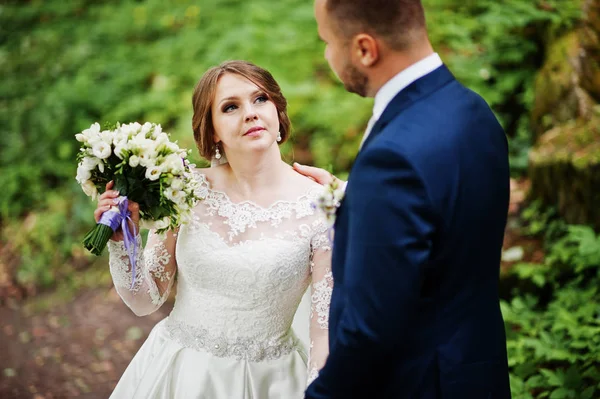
[399, 82]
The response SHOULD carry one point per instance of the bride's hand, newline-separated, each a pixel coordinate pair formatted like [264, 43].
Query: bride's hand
[107, 200]
[321, 176]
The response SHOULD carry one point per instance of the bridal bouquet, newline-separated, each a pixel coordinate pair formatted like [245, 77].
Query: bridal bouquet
[147, 168]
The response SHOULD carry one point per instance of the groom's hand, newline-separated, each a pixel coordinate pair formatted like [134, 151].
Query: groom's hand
[319, 175]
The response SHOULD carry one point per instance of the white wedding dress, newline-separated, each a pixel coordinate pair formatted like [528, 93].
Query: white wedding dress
[242, 270]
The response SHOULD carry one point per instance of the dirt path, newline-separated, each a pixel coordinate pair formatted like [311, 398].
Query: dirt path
[76, 350]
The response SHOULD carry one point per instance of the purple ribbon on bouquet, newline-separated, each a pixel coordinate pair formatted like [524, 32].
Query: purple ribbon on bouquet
[113, 220]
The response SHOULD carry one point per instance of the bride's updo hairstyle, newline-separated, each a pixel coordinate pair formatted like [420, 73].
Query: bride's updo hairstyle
[204, 95]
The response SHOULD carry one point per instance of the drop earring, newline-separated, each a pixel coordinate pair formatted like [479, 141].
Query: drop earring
[217, 153]
[279, 137]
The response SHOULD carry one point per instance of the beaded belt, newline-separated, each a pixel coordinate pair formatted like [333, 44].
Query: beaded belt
[250, 349]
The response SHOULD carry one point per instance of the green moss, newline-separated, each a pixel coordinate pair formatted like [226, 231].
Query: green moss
[554, 82]
[576, 142]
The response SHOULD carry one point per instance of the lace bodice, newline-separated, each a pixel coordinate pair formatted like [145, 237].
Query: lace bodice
[242, 270]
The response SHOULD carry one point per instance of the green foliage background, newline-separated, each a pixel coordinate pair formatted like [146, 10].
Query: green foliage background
[552, 313]
[65, 65]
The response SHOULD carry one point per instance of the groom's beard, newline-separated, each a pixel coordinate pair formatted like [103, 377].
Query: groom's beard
[355, 81]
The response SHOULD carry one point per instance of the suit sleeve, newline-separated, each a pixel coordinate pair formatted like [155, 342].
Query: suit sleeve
[391, 224]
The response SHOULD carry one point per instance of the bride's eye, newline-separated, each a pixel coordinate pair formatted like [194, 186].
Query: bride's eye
[229, 108]
[262, 99]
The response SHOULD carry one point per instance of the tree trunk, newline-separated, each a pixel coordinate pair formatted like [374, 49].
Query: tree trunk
[564, 165]
[565, 171]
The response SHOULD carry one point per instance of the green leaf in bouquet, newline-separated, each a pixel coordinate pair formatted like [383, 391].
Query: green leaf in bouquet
[109, 125]
[121, 184]
[157, 212]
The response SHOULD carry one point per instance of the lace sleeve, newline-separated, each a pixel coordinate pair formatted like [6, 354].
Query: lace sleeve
[321, 288]
[155, 272]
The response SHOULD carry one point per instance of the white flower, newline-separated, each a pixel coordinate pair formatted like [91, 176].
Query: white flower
[134, 161]
[120, 138]
[90, 189]
[169, 193]
[330, 199]
[93, 140]
[153, 173]
[179, 197]
[93, 131]
[82, 138]
[137, 141]
[146, 150]
[147, 224]
[162, 138]
[174, 164]
[172, 147]
[149, 146]
[146, 127]
[145, 160]
[120, 151]
[83, 173]
[185, 217]
[162, 223]
[177, 184]
[101, 150]
[129, 129]
[107, 136]
[91, 163]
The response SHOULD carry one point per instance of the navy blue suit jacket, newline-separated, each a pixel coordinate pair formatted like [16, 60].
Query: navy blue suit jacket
[415, 310]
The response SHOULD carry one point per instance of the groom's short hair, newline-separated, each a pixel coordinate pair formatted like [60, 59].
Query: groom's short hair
[398, 22]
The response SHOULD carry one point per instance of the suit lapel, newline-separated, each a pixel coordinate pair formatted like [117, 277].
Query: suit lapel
[415, 91]
[418, 89]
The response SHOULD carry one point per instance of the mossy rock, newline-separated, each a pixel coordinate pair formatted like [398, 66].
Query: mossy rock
[558, 95]
[589, 37]
[568, 85]
[564, 168]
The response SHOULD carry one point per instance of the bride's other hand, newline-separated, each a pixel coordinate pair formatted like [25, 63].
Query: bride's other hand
[108, 200]
[319, 175]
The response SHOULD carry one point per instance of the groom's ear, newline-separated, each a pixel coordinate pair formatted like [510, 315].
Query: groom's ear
[366, 49]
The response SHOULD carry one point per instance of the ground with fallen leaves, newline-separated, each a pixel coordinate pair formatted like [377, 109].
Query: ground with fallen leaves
[79, 348]
[76, 350]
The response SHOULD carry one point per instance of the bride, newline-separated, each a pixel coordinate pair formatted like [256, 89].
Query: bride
[241, 265]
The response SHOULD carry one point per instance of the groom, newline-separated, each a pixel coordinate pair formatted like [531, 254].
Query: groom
[415, 310]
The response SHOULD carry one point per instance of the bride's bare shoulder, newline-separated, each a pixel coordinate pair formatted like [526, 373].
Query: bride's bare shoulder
[214, 175]
[303, 182]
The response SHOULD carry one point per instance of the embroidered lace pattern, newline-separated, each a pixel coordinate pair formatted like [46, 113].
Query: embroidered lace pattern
[321, 298]
[151, 264]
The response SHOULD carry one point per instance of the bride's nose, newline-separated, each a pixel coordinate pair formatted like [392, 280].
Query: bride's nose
[251, 115]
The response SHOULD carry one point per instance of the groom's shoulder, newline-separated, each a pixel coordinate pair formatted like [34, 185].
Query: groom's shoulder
[450, 112]
[438, 127]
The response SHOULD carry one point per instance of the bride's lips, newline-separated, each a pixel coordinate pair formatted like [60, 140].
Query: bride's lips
[253, 131]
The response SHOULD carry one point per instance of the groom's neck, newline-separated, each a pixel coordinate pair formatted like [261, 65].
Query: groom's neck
[393, 62]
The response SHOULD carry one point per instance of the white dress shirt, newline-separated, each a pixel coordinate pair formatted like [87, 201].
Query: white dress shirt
[395, 85]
